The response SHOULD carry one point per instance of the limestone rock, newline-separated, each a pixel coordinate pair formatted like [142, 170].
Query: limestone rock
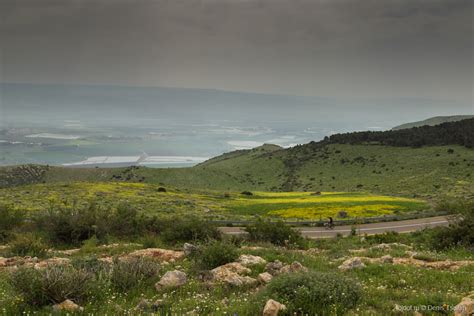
[230, 273]
[352, 263]
[248, 260]
[189, 248]
[293, 268]
[265, 277]
[159, 254]
[272, 308]
[274, 267]
[171, 279]
[465, 307]
[68, 306]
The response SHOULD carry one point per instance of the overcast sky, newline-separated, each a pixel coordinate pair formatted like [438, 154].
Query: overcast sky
[327, 48]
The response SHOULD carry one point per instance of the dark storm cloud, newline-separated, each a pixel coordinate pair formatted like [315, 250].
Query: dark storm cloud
[345, 48]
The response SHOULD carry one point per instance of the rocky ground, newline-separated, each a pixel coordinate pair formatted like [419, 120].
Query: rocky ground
[397, 274]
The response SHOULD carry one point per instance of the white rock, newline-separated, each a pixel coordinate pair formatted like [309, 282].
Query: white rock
[68, 306]
[465, 308]
[352, 263]
[265, 277]
[171, 279]
[272, 308]
[247, 260]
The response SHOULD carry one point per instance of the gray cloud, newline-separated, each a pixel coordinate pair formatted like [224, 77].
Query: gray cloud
[344, 48]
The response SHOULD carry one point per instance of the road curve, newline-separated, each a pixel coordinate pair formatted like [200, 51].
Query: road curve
[404, 226]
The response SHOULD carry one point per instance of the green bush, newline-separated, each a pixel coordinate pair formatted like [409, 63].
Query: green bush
[277, 233]
[9, 220]
[214, 254]
[192, 229]
[73, 225]
[460, 232]
[28, 244]
[314, 293]
[129, 273]
[53, 284]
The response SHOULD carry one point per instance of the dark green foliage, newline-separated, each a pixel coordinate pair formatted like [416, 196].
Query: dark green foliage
[387, 237]
[277, 233]
[213, 254]
[451, 133]
[53, 284]
[460, 232]
[131, 272]
[73, 225]
[314, 293]
[10, 219]
[248, 193]
[177, 230]
[28, 244]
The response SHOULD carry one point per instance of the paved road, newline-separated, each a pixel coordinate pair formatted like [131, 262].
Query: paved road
[369, 229]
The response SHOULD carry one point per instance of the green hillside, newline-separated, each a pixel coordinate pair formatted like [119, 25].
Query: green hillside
[433, 121]
[362, 161]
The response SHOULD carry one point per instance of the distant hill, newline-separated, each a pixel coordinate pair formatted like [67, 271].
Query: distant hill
[363, 161]
[433, 121]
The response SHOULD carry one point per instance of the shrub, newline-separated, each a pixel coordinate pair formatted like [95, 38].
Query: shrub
[125, 221]
[188, 230]
[129, 273]
[74, 225]
[460, 232]
[28, 244]
[248, 193]
[342, 214]
[214, 254]
[314, 293]
[387, 237]
[277, 233]
[9, 220]
[53, 284]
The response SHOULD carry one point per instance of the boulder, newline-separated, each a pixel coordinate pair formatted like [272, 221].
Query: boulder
[465, 307]
[230, 273]
[67, 306]
[248, 260]
[233, 267]
[189, 249]
[272, 308]
[352, 263]
[171, 279]
[159, 254]
[264, 277]
[293, 268]
[274, 267]
[238, 280]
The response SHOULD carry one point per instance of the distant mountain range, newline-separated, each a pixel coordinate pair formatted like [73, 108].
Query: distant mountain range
[433, 121]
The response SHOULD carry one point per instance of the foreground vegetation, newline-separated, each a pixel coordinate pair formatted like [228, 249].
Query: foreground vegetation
[116, 268]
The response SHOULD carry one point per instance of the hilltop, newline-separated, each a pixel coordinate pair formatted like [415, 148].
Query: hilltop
[432, 121]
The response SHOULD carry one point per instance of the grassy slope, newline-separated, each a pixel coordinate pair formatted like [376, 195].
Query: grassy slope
[207, 204]
[405, 171]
